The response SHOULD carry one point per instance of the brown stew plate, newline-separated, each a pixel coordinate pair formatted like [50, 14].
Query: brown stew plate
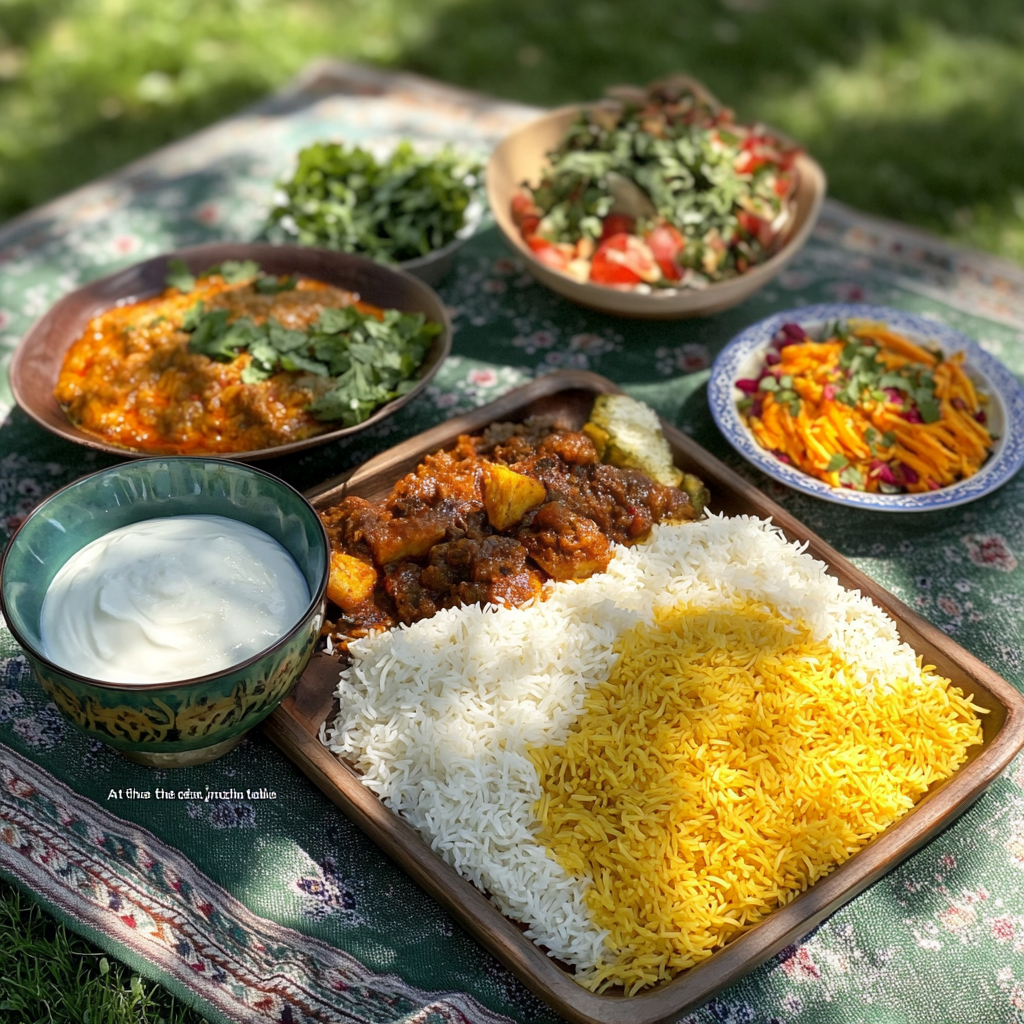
[295, 725]
[37, 361]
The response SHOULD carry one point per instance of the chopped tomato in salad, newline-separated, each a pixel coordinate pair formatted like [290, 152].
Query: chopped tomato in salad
[664, 190]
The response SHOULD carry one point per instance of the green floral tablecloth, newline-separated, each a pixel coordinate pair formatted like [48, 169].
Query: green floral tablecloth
[247, 892]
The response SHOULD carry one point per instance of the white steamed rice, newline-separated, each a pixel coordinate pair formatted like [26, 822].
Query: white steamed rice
[438, 715]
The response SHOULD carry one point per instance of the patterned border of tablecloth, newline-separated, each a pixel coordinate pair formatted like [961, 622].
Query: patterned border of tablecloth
[110, 877]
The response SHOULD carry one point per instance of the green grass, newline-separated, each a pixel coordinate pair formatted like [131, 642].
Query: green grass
[912, 107]
[49, 975]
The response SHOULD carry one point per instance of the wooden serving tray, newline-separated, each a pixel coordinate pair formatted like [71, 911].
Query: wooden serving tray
[294, 727]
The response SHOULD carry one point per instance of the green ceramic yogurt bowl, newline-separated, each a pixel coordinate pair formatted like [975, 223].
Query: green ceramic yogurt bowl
[184, 722]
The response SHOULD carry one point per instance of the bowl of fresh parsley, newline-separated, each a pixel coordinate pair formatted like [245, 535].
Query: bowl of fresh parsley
[410, 209]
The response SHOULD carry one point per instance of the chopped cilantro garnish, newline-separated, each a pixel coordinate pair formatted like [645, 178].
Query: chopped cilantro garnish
[371, 361]
[892, 379]
[233, 272]
[179, 276]
[851, 476]
[269, 285]
[236, 271]
[213, 337]
[838, 461]
[190, 321]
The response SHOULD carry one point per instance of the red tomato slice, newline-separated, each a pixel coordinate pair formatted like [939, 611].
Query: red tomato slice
[747, 163]
[666, 244]
[784, 184]
[624, 260]
[551, 255]
[617, 224]
[756, 227]
[524, 207]
[528, 225]
[748, 222]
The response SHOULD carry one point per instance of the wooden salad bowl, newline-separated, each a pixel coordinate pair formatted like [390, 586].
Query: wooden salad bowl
[521, 158]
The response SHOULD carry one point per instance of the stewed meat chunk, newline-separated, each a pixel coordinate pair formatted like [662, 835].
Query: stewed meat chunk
[489, 521]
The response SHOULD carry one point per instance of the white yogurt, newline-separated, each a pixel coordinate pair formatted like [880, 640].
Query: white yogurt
[169, 599]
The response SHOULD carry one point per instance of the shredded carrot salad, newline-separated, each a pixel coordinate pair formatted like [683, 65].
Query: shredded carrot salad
[867, 409]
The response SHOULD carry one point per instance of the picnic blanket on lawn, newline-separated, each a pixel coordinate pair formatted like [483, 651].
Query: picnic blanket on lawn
[252, 897]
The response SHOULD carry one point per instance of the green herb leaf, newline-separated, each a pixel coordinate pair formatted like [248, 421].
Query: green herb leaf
[269, 285]
[853, 477]
[892, 379]
[371, 361]
[237, 271]
[333, 320]
[838, 461]
[179, 276]
[190, 321]
[768, 383]
[210, 337]
[930, 410]
[295, 362]
[285, 340]
[263, 353]
[240, 333]
[254, 373]
[850, 352]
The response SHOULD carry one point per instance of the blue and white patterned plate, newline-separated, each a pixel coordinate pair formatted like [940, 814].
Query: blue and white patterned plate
[743, 356]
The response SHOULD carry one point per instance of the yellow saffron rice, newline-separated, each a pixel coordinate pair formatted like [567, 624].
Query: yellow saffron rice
[728, 763]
